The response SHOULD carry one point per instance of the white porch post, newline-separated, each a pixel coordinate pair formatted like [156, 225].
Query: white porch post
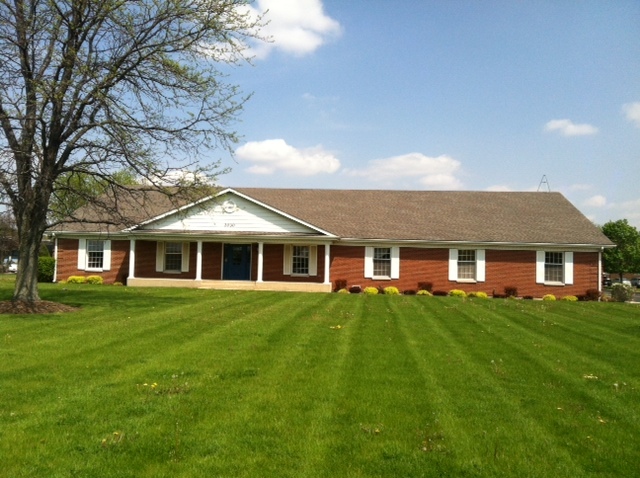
[199, 262]
[260, 261]
[132, 258]
[327, 263]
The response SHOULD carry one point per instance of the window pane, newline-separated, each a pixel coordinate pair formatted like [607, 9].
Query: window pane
[173, 256]
[382, 262]
[300, 260]
[95, 254]
[467, 264]
[553, 267]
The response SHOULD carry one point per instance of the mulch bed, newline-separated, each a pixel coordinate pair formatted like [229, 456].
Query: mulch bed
[39, 307]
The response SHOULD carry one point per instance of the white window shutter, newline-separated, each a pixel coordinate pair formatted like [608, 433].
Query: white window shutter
[480, 265]
[453, 264]
[568, 268]
[395, 263]
[106, 255]
[540, 256]
[368, 262]
[313, 260]
[160, 256]
[287, 259]
[186, 247]
[82, 254]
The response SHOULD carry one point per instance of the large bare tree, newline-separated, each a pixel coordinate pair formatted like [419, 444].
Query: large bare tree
[92, 87]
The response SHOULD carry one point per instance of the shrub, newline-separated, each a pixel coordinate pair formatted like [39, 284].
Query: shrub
[528, 297]
[340, 284]
[511, 291]
[370, 290]
[592, 294]
[391, 290]
[94, 280]
[424, 292]
[428, 286]
[478, 295]
[344, 291]
[76, 280]
[410, 292]
[457, 293]
[118, 283]
[570, 298]
[499, 296]
[440, 293]
[549, 297]
[621, 292]
[46, 268]
[355, 289]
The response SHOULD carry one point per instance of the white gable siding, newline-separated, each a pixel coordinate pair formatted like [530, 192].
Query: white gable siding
[227, 214]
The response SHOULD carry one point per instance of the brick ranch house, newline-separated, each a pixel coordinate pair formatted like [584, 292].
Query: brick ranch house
[311, 240]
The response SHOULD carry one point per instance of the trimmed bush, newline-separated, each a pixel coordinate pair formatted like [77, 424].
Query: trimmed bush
[549, 297]
[621, 292]
[528, 297]
[424, 292]
[344, 291]
[46, 267]
[592, 294]
[511, 291]
[355, 289]
[457, 293]
[440, 293]
[95, 280]
[478, 295]
[370, 290]
[410, 292]
[570, 298]
[339, 284]
[76, 280]
[391, 290]
[428, 286]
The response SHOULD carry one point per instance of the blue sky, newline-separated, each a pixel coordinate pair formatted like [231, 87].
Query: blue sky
[446, 95]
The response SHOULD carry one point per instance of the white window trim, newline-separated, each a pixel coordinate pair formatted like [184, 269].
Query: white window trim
[368, 263]
[83, 256]
[287, 266]
[567, 269]
[160, 246]
[481, 266]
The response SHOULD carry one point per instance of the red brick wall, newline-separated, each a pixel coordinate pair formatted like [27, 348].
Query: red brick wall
[273, 265]
[67, 262]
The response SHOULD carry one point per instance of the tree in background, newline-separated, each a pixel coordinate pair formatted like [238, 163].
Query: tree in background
[625, 257]
[90, 88]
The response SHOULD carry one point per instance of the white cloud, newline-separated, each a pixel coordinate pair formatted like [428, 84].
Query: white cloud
[632, 112]
[567, 128]
[275, 155]
[296, 27]
[434, 173]
[596, 201]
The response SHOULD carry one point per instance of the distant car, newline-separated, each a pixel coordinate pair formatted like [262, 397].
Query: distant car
[606, 281]
[624, 281]
[13, 266]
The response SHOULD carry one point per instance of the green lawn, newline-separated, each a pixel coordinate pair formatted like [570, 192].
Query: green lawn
[190, 383]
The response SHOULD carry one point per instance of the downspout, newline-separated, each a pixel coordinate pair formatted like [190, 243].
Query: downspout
[55, 258]
[600, 270]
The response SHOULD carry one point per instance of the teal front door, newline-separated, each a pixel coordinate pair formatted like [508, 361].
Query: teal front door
[237, 262]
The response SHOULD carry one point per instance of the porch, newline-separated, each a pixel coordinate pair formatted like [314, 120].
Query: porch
[230, 284]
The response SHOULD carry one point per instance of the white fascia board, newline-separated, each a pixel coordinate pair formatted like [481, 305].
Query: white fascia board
[474, 245]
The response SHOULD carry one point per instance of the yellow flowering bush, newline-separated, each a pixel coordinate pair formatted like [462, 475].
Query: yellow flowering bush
[94, 280]
[370, 290]
[76, 280]
[570, 298]
[549, 297]
[457, 293]
[424, 292]
[391, 290]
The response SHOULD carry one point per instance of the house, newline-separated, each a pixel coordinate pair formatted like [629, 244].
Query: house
[313, 240]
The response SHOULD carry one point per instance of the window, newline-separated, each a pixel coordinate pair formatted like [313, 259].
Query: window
[467, 264]
[94, 254]
[554, 267]
[173, 256]
[382, 262]
[300, 260]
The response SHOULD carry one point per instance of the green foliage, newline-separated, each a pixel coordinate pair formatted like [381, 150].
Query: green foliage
[570, 298]
[370, 290]
[625, 257]
[621, 292]
[478, 295]
[344, 291]
[549, 297]
[94, 280]
[46, 268]
[424, 292]
[76, 280]
[391, 290]
[457, 293]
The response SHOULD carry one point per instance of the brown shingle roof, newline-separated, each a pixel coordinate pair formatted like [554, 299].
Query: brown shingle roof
[432, 216]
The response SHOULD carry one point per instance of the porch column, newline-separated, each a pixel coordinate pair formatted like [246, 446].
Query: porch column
[132, 258]
[327, 263]
[199, 262]
[260, 261]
